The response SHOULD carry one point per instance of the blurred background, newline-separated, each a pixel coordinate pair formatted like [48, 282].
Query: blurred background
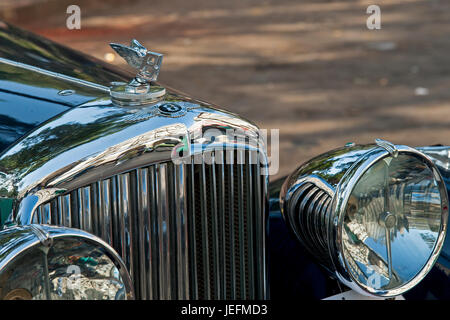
[310, 68]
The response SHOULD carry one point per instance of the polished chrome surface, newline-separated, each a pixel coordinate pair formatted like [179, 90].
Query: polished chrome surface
[416, 233]
[440, 155]
[43, 236]
[378, 230]
[187, 237]
[388, 146]
[69, 264]
[116, 172]
[137, 56]
[110, 166]
[99, 140]
[138, 91]
[224, 211]
[308, 218]
[135, 94]
[324, 172]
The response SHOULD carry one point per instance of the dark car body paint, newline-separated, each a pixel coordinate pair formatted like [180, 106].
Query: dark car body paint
[29, 98]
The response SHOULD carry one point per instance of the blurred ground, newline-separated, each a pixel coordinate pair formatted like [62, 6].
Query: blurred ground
[310, 68]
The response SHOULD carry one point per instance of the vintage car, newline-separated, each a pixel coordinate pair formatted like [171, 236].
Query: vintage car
[113, 186]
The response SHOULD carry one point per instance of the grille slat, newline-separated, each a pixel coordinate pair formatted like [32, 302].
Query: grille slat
[154, 242]
[204, 231]
[215, 228]
[163, 232]
[95, 202]
[143, 232]
[231, 224]
[220, 176]
[193, 267]
[64, 206]
[182, 233]
[115, 216]
[85, 210]
[125, 222]
[105, 211]
[260, 184]
[54, 212]
[60, 212]
[47, 218]
[250, 212]
[240, 227]
[188, 231]
[219, 172]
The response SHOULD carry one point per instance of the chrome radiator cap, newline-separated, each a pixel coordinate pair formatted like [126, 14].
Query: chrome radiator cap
[132, 164]
[139, 91]
[100, 149]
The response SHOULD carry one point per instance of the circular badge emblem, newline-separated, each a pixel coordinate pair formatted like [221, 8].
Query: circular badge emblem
[171, 110]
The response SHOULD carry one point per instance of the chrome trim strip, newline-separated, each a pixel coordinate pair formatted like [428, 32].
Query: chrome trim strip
[55, 75]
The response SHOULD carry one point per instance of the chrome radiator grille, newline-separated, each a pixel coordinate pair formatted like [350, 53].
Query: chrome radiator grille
[185, 231]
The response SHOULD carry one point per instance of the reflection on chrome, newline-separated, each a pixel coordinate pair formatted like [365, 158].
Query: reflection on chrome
[440, 155]
[388, 218]
[73, 265]
[96, 167]
[405, 188]
[81, 272]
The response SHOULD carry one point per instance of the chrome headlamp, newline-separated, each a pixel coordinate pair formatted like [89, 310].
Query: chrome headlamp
[374, 215]
[53, 263]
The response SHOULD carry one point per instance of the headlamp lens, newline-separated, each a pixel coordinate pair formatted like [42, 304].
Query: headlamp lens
[392, 222]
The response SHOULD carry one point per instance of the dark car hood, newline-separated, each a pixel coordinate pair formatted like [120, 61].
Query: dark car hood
[34, 71]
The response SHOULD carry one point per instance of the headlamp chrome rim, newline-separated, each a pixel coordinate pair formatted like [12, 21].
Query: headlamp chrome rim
[339, 204]
[27, 238]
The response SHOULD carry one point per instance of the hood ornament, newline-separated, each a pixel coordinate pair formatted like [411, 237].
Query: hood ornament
[138, 91]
